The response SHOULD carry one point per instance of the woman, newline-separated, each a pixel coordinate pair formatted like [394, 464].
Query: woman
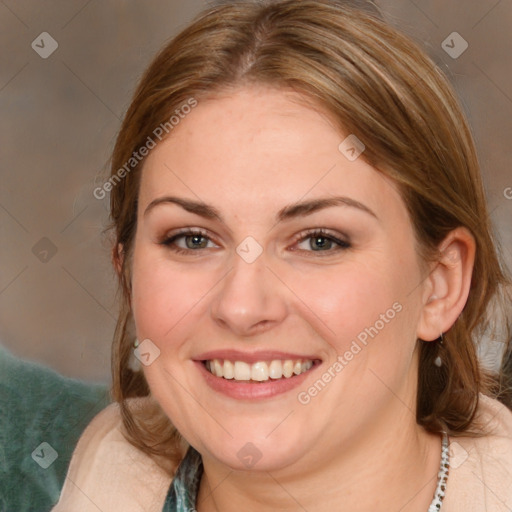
[306, 263]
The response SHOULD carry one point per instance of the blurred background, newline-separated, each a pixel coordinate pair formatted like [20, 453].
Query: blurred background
[68, 70]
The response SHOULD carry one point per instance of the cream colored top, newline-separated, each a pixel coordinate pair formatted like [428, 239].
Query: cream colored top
[107, 473]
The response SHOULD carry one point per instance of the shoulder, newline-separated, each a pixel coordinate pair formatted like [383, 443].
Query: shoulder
[481, 467]
[496, 417]
[39, 405]
[109, 473]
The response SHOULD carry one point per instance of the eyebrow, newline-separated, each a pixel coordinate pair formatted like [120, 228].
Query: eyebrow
[288, 212]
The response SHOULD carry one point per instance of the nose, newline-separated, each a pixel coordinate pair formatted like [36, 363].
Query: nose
[250, 299]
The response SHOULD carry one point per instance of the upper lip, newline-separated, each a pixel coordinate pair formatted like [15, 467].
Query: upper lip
[252, 357]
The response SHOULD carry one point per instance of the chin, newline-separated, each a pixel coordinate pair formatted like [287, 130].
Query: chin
[254, 453]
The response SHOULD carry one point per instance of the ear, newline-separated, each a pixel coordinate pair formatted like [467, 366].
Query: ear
[447, 287]
[117, 258]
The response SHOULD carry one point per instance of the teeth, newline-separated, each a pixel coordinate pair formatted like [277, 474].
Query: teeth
[229, 370]
[275, 370]
[218, 367]
[288, 368]
[242, 371]
[261, 371]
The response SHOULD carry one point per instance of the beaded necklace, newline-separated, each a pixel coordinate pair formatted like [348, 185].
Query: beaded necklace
[442, 476]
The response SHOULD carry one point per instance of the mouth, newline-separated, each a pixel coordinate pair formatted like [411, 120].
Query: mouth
[259, 371]
[249, 376]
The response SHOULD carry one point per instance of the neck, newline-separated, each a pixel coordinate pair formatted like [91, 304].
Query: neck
[386, 468]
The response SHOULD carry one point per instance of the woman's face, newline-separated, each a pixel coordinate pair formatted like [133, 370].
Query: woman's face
[260, 287]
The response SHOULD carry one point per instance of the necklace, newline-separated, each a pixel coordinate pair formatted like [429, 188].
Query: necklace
[442, 476]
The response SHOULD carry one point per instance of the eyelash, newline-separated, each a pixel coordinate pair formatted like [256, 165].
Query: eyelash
[312, 233]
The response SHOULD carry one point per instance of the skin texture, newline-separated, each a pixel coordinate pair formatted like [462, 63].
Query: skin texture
[249, 154]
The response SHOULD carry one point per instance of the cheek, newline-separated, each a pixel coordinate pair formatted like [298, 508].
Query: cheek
[349, 300]
[164, 295]
[371, 334]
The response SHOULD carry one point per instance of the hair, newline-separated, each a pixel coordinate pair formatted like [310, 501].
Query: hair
[375, 83]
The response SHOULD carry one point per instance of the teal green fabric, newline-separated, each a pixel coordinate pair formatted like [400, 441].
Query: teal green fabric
[37, 405]
[184, 488]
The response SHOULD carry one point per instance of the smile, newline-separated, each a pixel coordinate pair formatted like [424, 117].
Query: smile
[260, 371]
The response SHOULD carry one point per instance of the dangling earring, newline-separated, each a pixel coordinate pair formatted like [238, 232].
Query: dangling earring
[133, 362]
[438, 361]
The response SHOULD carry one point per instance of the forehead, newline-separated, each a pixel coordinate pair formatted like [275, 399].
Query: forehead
[257, 143]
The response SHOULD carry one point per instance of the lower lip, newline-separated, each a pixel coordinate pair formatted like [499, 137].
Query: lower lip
[243, 390]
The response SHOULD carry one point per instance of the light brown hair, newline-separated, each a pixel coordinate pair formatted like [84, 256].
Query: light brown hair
[375, 83]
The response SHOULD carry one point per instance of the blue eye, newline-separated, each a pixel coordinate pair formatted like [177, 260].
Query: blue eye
[194, 240]
[321, 241]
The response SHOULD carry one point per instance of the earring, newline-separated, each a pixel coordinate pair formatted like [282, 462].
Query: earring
[133, 361]
[438, 361]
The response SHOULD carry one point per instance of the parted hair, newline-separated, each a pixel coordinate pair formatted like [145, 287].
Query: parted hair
[374, 82]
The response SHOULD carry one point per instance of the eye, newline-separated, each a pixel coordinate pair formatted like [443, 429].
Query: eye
[321, 240]
[191, 240]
